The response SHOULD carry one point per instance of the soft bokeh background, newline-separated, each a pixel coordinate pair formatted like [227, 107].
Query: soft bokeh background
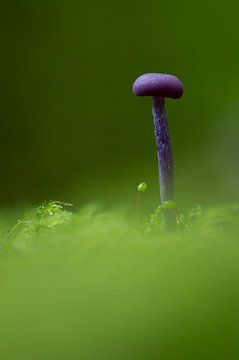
[71, 128]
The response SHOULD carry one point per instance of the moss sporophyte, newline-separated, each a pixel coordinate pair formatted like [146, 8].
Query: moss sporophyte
[160, 86]
[141, 188]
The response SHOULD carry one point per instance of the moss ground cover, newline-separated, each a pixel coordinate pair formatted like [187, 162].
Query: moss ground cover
[86, 284]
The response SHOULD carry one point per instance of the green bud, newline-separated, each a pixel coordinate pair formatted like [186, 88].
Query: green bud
[169, 204]
[142, 187]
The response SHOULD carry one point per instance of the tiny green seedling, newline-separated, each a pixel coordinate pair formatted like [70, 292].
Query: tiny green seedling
[141, 188]
[51, 208]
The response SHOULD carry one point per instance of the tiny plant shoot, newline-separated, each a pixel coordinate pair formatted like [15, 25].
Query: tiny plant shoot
[160, 86]
[141, 188]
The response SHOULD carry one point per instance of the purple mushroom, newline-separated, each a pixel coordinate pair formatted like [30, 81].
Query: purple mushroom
[160, 86]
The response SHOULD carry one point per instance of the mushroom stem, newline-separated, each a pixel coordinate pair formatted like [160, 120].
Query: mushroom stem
[165, 161]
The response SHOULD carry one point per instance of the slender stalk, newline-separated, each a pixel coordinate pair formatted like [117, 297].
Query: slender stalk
[165, 161]
[140, 215]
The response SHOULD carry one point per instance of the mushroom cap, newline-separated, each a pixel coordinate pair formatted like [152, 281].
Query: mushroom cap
[154, 84]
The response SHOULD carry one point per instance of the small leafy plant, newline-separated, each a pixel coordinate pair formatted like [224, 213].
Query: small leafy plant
[48, 217]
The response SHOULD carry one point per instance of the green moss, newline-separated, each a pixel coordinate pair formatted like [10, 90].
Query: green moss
[86, 284]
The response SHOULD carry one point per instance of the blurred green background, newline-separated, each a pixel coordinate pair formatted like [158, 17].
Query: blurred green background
[71, 128]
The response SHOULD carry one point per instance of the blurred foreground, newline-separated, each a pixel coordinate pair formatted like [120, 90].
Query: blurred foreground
[88, 285]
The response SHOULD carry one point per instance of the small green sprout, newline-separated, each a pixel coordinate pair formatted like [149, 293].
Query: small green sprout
[157, 219]
[142, 187]
[49, 216]
[51, 208]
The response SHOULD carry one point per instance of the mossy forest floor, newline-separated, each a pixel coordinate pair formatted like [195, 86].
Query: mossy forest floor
[94, 284]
